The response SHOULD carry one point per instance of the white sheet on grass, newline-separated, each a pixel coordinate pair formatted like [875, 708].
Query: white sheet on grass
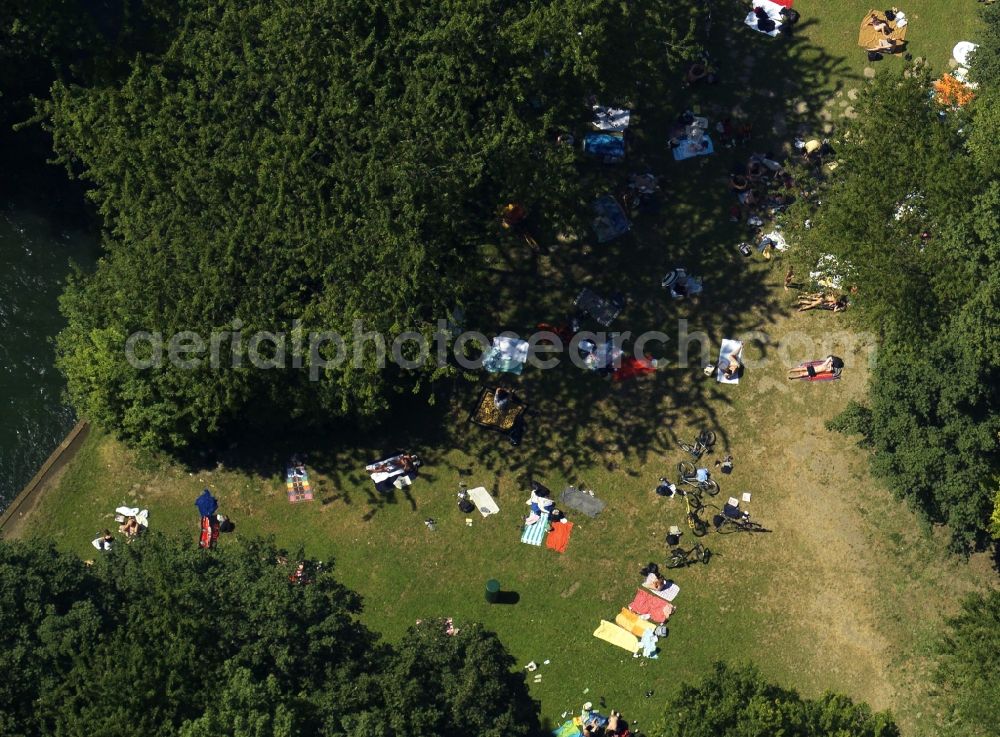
[773, 12]
[728, 347]
[483, 501]
[610, 118]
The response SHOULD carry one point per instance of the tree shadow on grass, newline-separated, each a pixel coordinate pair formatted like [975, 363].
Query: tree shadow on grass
[579, 421]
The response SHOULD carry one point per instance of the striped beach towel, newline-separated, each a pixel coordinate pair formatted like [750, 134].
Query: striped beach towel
[534, 533]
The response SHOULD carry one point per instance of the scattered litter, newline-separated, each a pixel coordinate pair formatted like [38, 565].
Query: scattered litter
[532, 666]
[746, 496]
[586, 690]
[468, 522]
[546, 662]
[563, 716]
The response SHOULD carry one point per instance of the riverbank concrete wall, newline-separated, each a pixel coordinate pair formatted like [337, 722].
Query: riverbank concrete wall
[25, 501]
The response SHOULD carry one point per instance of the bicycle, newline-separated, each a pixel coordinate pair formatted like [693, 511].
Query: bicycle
[724, 524]
[702, 444]
[699, 528]
[680, 558]
[689, 475]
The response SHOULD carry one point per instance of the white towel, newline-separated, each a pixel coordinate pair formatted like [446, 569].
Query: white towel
[483, 501]
[727, 348]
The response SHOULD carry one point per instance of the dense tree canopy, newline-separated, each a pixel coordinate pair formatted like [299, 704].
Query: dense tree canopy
[912, 218]
[738, 702]
[969, 669]
[323, 162]
[161, 639]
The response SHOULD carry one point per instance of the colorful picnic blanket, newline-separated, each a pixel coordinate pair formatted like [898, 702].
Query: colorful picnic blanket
[298, 487]
[568, 729]
[534, 533]
[611, 632]
[489, 415]
[558, 537]
[645, 602]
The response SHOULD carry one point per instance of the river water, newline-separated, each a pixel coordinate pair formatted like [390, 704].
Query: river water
[35, 255]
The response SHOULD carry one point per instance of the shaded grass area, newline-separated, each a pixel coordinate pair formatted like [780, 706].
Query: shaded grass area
[847, 591]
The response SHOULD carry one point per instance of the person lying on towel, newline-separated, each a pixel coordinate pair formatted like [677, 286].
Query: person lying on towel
[731, 364]
[653, 580]
[829, 366]
[538, 501]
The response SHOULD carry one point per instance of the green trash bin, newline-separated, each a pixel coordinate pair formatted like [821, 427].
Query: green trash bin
[492, 591]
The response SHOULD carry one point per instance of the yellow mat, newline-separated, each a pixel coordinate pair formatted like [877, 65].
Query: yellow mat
[868, 36]
[610, 632]
[633, 623]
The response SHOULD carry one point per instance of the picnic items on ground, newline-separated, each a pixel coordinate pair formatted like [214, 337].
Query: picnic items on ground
[507, 354]
[397, 471]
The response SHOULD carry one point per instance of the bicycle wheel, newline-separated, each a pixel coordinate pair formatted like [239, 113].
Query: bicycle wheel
[724, 525]
[707, 438]
[694, 502]
[709, 487]
[676, 560]
[686, 469]
[698, 526]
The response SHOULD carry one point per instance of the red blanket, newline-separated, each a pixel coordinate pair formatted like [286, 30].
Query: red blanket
[632, 366]
[646, 602]
[558, 537]
[209, 532]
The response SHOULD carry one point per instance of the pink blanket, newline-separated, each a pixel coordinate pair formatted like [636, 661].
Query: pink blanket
[646, 602]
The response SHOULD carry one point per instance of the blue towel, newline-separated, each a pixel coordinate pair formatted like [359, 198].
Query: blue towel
[687, 151]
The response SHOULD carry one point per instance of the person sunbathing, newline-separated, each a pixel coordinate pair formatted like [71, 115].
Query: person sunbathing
[130, 527]
[731, 364]
[502, 398]
[828, 366]
[888, 45]
[822, 301]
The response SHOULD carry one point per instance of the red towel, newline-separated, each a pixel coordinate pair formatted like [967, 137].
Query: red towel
[632, 366]
[786, 3]
[646, 602]
[828, 376]
[209, 532]
[559, 536]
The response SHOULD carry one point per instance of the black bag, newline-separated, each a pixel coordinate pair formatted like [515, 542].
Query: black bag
[889, 15]
[874, 56]
[745, 249]
[465, 506]
[791, 16]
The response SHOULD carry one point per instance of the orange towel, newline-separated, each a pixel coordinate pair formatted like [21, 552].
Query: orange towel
[558, 537]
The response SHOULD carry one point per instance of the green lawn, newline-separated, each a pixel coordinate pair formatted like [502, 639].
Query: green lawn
[845, 594]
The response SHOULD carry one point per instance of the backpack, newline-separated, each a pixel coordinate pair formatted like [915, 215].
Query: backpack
[874, 56]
